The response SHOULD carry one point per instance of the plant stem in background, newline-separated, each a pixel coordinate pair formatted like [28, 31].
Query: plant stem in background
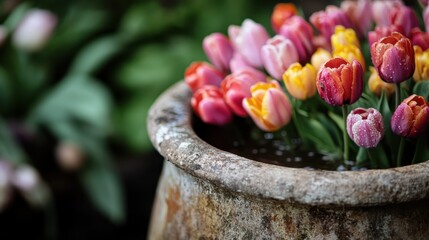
[398, 95]
[345, 137]
[400, 152]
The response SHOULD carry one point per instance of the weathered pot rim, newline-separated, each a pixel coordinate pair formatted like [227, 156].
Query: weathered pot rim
[171, 133]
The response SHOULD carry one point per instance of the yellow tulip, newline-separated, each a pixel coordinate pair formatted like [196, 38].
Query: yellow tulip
[300, 81]
[349, 53]
[376, 85]
[421, 71]
[320, 57]
[269, 107]
[344, 37]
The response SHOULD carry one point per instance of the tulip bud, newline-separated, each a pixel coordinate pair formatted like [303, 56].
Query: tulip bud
[199, 74]
[410, 117]
[269, 107]
[209, 105]
[248, 40]
[405, 17]
[326, 21]
[320, 57]
[300, 33]
[277, 55]
[381, 32]
[344, 37]
[219, 50]
[358, 14]
[282, 12]
[300, 81]
[34, 30]
[340, 82]
[422, 64]
[393, 57]
[237, 62]
[376, 85]
[381, 11]
[365, 127]
[420, 38]
[236, 87]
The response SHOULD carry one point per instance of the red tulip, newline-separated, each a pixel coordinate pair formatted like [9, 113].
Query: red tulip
[410, 117]
[209, 105]
[199, 74]
[339, 82]
[393, 57]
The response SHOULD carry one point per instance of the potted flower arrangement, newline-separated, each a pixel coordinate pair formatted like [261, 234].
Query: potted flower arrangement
[346, 87]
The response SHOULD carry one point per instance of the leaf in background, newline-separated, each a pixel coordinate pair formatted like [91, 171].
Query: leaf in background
[16, 16]
[421, 153]
[378, 158]
[94, 55]
[77, 97]
[391, 139]
[5, 91]
[9, 149]
[422, 89]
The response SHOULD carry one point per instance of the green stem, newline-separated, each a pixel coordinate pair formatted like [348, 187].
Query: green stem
[345, 137]
[398, 94]
[400, 152]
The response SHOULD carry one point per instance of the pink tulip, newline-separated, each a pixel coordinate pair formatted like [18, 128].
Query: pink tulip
[381, 11]
[326, 21]
[383, 31]
[411, 117]
[248, 40]
[199, 74]
[277, 55]
[219, 50]
[236, 87]
[209, 105]
[405, 17]
[300, 33]
[34, 30]
[365, 127]
[426, 18]
[237, 62]
[269, 107]
[420, 38]
[358, 14]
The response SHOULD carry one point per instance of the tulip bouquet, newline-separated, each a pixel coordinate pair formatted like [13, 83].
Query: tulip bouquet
[370, 71]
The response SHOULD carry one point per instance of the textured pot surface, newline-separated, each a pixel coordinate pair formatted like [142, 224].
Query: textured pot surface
[208, 193]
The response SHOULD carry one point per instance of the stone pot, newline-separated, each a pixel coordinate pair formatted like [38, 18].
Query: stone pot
[206, 193]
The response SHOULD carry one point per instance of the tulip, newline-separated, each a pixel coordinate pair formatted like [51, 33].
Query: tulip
[381, 32]
[248, 40]
[405, 17]
[300, 33]
[236, 87]
[426, 18]
[410, 117]
[340, 82]
[381, 11]
[350, 53]
[282, 12]
[320, 57]
[237, 62]
[420, 38]
[219, 50]
[199, 74]
[326, 21]
[365, 127]
[393, 57]
[269, 107]
[344, 37]
[209, 105]
[358, 14]
[277, 55]
[376, 85]
[300, 81]
[422, 64]
[34, 30]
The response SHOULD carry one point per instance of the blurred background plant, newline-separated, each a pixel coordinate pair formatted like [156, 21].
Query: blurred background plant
[76, 81]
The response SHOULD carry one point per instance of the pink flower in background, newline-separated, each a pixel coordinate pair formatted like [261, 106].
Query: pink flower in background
[209, 105]
[236, 87]
[237, 62]
[300, 33]
[219, 50]
[326, 21]
[199, 74]
[277, 55]
[426, 18]
[381, 11]
[34, 30]
[365, 127]
[410, 117]
[248, 40]
[358, 14]
[381, 32]
[420, 38]
[405, 17]
[339, 82]
[393, 58]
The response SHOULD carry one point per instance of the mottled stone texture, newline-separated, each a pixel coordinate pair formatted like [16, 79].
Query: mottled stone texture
[205, 193]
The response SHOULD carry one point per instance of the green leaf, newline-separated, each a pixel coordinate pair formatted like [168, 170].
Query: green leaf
[5, 91]
[378, 157]
[422, 89]
[9, 149]
[76, 98]
[95, 54]
[16, 16]
[421, 153]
